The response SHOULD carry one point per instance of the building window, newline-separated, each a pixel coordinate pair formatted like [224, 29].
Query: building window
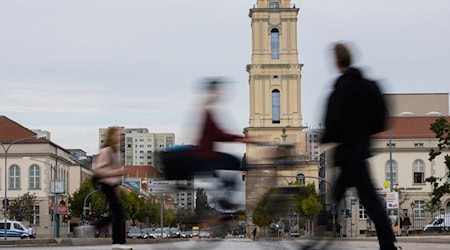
[418, 171]
[274, 5]
[275, 43]
[300, 179]
[394, 172]
[276, 106]
[14, 177]
[35, 177]
[418, 145]
[362, 211]
[35, 218]
[419, 209]
[392, 145]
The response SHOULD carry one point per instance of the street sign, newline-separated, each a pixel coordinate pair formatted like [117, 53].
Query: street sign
[160, 189]
[161, 183]
[57, 187]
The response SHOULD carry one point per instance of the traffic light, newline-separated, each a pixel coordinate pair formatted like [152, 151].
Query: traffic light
[5, 204]
[66, 218]
[244, 173]
[89, 215]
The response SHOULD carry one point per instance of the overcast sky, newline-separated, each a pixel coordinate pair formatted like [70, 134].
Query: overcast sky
[71, 67]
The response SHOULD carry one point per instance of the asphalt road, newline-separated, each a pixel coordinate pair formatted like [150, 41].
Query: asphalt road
[246, 244]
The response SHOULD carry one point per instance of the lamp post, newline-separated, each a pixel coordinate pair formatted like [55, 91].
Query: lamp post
[391, 168]
[56, 187]
[6, 149]
[86, 208]
[413, 205]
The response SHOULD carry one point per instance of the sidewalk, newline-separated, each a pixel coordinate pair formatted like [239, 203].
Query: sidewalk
[420, 239]
[76, 241]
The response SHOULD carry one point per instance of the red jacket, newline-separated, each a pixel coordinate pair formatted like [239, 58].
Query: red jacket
[212, 133]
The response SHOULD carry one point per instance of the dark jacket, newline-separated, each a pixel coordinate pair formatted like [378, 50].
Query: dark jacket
[349, 116]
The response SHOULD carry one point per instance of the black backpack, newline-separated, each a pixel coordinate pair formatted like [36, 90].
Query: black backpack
[377, 113]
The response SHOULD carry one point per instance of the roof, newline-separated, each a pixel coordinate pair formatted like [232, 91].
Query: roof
[411, 127]
[11, 131]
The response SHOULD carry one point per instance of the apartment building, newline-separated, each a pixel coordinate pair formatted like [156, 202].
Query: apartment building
[138, 146]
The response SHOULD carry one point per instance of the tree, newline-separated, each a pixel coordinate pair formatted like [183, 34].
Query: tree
[22, 208]
[261, 217]
[311, 207]
[280, 201]
[131, 204]
[97, 200]
[441, 127]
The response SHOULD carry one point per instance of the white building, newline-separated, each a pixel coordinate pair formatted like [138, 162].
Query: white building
[33, 165]
[407, 146]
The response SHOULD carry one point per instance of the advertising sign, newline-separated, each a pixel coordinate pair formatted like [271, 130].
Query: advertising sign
[392, 200]
[392, 205]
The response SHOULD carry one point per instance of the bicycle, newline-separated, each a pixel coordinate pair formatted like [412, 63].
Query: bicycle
[178, 164]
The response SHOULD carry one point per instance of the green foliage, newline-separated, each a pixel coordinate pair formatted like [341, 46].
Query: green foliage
[131, 204]
[96, 200]
[22, 207]
[441, 127]
[261, 217]
[137, 209]
[279, 201]
[311, 206]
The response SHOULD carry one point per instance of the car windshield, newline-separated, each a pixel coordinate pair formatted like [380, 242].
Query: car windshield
[134, 230]
[438, 221]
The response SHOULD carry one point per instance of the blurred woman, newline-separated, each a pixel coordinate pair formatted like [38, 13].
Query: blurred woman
[108, 173]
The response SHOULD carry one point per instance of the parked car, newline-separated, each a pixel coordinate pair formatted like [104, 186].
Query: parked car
[134, 233]
[147, 233]
[204, 233]
[439, 223]
[186, 234]
[174, 232]
[14, 229]
[157, 233]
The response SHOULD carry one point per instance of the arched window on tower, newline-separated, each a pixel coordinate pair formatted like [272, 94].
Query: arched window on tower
[275, 43]
[276, 106]
[300, 178]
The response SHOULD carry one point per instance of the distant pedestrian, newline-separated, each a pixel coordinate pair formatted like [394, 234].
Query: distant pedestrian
[352, 116]
[406, 224]
[254, 234]
[108, 173]
[338, 230]
[30, 232]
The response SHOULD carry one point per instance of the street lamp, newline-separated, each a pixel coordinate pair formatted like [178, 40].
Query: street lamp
[413, 205]
[6, 149]
[56, 187]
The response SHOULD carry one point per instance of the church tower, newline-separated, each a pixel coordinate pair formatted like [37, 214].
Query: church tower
[275, 99]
